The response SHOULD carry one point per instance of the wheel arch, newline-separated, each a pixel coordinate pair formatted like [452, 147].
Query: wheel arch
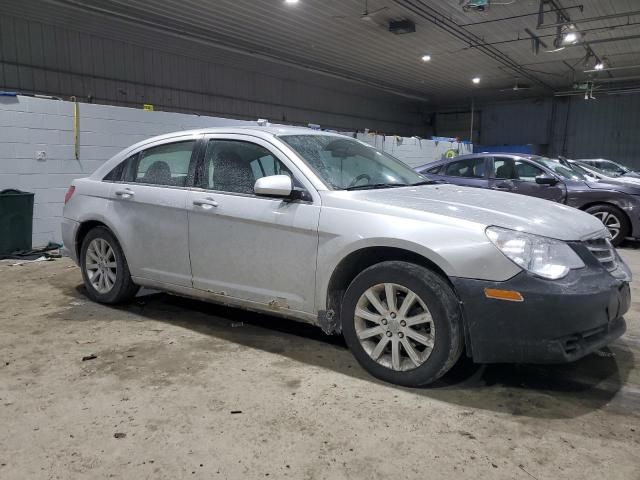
[86, 226]
[354, 263]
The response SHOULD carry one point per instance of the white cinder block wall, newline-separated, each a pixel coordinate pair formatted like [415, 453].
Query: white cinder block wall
[29, 125]
[414, 151]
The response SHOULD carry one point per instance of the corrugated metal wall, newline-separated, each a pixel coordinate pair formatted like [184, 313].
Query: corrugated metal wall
[608, 127]
[41, 58]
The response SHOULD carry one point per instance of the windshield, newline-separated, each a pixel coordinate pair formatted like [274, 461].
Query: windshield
[612, 167]
[344, 163]
[591, 170]
[563, 169]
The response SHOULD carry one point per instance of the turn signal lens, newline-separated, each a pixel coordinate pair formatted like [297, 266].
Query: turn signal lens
[509, 295]
[67, 196]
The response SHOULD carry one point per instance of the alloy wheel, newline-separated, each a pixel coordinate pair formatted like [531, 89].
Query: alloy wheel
[394, 326]
[101, 266]
[610, 221]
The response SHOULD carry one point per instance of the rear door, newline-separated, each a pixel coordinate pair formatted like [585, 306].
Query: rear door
[148, 211]
[518, 175]
[470, 172]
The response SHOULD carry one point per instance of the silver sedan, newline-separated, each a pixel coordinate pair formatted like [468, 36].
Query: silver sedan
[324, 229]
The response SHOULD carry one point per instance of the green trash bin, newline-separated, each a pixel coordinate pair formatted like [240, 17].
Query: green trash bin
[16, 221]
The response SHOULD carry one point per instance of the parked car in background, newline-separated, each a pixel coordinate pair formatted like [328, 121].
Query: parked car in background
[610, 167]
[615, 204]
[605, 176]
[325, 229]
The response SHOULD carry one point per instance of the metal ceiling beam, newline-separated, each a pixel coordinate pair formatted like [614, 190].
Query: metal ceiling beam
[629, 78]
[426, 12]
[603, 40]
[592, 19]
[579, 7]
[611, 69]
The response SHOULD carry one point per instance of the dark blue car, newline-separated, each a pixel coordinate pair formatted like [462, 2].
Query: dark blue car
[616, 204]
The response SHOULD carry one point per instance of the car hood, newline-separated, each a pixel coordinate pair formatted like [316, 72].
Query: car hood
[629, 186]
[485, 207]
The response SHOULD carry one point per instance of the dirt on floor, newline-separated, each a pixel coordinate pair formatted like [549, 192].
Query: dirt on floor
[168, 388]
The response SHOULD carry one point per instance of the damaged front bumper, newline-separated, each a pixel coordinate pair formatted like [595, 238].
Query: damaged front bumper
[554, 322]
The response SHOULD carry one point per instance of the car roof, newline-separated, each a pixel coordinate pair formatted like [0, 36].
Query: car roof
[259, 131]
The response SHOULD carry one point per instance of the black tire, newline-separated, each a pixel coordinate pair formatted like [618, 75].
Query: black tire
[610, 212]
[439, 299]
[123, 288]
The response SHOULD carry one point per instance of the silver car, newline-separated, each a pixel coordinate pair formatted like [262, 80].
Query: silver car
[325, 229]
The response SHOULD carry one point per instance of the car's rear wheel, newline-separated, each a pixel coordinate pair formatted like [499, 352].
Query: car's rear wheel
[104, 269]
[403, 323]
[614, 219]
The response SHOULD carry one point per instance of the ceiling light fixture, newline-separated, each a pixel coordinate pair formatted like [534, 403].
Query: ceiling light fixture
[570, 35]
[476, 80]
[291, 2]
[599, 65]
[426, 58]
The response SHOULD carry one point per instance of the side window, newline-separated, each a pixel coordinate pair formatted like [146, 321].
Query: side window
[434, 170]
[116, 175]
[470, 168]
[504, 168]
[527, 172]
[234, 166]
[164, 165]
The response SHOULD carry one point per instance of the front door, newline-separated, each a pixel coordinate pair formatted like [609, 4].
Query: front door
[518, 175]
[253, 248]
[149, 212]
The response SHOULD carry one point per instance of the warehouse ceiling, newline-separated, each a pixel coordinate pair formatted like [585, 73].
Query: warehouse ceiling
[513, 49]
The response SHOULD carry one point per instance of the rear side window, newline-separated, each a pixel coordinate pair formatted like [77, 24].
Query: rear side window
[117, 173]
[163, 165]
[470, 168]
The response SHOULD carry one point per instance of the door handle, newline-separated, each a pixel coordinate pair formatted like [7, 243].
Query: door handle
[126, 193]
[205, 203]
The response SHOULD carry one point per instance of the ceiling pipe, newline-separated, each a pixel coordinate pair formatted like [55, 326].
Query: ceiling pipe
[587, 20]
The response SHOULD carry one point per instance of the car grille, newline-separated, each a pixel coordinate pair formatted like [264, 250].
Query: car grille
[602, 249]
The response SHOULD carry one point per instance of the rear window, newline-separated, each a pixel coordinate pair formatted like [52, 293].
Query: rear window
[165, 164]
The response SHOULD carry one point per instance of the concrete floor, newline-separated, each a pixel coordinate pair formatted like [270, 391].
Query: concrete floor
[159, 399]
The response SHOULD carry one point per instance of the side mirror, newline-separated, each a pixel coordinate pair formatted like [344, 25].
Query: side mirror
[278, 186]
[546, 180]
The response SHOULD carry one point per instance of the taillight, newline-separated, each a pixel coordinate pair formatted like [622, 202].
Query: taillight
[67, 195]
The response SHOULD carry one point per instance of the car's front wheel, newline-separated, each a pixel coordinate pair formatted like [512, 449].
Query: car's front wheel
[403, 323]
[104, 269]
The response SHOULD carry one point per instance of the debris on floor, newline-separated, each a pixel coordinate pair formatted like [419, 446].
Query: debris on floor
[89, 357]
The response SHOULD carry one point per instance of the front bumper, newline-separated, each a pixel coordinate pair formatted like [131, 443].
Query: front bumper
[558, 321]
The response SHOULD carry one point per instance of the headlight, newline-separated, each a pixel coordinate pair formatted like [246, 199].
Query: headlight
[545, 257]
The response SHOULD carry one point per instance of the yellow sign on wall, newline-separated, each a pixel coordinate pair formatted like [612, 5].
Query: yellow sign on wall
[148, 107]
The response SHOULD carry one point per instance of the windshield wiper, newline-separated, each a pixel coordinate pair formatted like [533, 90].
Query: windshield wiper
[424, 182]
[373, 186]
